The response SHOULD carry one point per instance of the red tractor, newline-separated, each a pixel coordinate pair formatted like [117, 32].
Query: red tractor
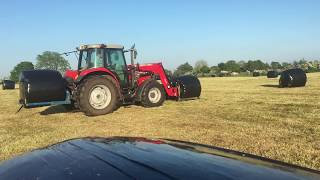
[104, 81]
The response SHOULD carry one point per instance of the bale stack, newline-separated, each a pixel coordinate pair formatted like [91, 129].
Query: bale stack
[255, 74]
[293, 78]
[8, 84]
[272, 74]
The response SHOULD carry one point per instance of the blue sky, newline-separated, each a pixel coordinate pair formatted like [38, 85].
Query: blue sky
[170, 31]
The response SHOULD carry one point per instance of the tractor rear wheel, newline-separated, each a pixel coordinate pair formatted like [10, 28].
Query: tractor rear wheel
[97, 96]
[153, 95]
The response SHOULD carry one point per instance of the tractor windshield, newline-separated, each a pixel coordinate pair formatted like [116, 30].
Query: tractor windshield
[113, 59]
[91, 58]
[117, 63]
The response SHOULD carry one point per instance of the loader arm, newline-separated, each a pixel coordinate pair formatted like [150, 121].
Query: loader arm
[157, 69]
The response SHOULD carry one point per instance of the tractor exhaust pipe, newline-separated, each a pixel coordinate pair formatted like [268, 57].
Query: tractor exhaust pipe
[133, 54]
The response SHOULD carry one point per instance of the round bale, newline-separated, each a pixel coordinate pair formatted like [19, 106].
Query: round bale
[255, 74]
[41, 86]
[8, 84]
[293, 78]
[272, 74]
[190, 86]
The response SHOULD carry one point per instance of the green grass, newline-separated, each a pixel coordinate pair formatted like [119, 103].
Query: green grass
[247, 114]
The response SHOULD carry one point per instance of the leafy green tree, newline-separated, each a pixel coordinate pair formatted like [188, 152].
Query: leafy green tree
[255, 65]
[304, 64]
[286, 65]
[168, 72]
[214, 69]
[53, 61]
[183, 69]
[205, 69]
[22, 66]
[315, 63]
[198, 65]
[295, 64]
[267, 66]
[222, 66]
[231, 66]
[242, 65]
[249, 66]
[275, 65]
[311, 69]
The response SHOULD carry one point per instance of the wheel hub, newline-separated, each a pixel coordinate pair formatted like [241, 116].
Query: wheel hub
[100, 97]
[154, 95]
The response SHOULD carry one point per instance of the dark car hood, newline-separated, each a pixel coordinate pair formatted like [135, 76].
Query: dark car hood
[140, 158]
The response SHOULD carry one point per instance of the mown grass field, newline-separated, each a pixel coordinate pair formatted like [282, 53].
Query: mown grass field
[241, 113]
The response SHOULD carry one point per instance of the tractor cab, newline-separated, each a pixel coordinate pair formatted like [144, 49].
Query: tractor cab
[110, 57]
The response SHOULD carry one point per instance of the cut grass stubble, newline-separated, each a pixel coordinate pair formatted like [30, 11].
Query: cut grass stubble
[248, 114]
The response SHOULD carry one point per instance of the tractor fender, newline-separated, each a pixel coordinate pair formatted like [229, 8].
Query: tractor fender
[96, 71]
[105, 74]
[141, 88]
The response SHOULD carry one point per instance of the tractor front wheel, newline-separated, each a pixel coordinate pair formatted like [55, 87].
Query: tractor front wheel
[98, 95]
[153, 95]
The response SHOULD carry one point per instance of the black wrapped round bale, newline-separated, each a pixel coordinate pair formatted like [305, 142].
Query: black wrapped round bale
[272, 74]
[255, 74]
[293, 78]
[8, 84]
[41, 86]
[190, 86]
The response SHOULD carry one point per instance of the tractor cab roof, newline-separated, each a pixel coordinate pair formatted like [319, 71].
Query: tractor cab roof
[109, 46]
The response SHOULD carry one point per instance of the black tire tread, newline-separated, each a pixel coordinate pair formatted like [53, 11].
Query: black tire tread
[84, 104]
[144, 96]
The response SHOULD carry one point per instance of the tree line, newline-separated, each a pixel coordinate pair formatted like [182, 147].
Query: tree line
[54, 61]
[201, 67]
[46, 60]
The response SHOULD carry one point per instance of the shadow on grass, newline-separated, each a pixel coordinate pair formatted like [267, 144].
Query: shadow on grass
[56, 110]
[61, 109]
[270, 85]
